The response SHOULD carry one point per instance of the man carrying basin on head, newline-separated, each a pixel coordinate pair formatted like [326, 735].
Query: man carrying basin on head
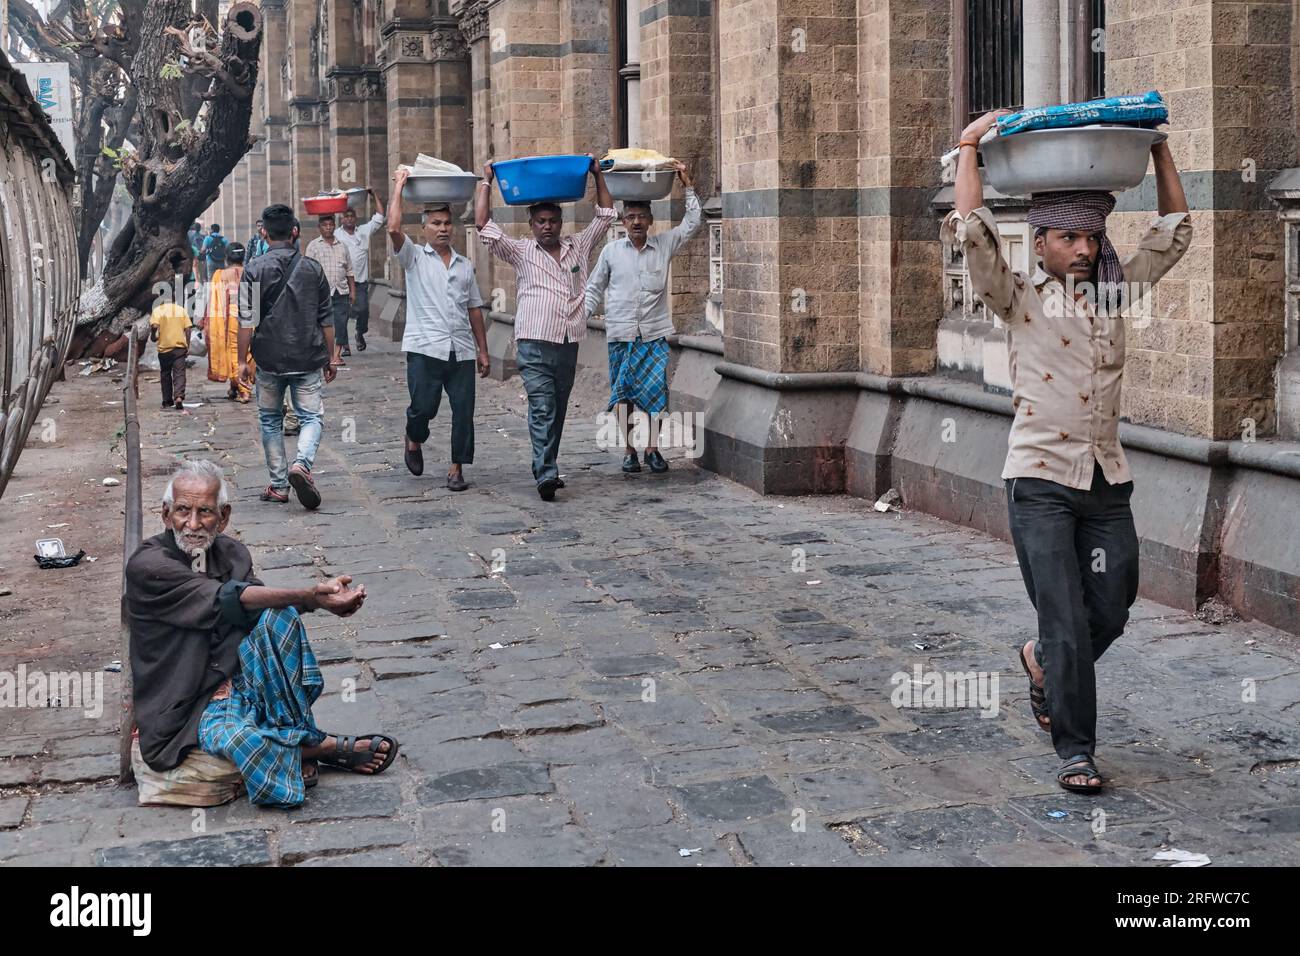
[550, 315]
[444, 340]
[1067, 479]
[631, 276]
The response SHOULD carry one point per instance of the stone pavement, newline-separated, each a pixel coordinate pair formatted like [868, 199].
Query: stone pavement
[658, 664]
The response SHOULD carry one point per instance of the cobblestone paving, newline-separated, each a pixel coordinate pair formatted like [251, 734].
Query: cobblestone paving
[639, 669]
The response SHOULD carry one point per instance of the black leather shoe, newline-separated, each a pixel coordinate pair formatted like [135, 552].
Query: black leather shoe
[547, 489]
[656, 461]
[361, 342]
[559, 482]
[414, 460]
[457, 482]
[631, 464]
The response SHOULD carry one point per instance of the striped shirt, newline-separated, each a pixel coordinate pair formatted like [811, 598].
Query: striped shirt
[551, 295]
[335, 259]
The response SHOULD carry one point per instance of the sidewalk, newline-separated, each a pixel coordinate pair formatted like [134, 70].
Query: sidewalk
[646, 672]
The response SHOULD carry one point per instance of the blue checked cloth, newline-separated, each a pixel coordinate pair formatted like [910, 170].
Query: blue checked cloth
[638, 373]
[1146, 110]
[267, 718]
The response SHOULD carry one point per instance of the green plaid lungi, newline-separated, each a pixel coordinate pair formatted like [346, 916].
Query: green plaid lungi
[267, 718]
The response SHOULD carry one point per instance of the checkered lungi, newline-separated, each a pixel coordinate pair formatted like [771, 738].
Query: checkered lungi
[267, 718]
[638, 373]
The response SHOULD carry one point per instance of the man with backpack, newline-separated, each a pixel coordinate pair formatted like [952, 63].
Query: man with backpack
[286, 318]
[214, 252]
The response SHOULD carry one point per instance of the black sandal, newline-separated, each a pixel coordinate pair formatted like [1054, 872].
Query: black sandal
[347, 756]
[1037, 694]
[1079, 766]
[310, 774]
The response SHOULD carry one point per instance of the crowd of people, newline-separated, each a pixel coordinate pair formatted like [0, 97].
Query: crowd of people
[278, 323]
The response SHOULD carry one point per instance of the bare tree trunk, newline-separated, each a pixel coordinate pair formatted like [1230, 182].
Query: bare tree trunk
[179, 166]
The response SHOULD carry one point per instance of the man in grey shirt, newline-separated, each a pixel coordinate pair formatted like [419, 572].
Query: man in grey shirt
[631, 276]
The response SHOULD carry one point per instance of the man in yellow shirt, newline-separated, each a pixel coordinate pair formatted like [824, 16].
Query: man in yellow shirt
[171, 329]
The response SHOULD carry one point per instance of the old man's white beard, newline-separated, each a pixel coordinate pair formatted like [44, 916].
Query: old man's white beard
[196, 545]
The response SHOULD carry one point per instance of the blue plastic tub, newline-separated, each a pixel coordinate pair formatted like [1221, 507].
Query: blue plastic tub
[542, 179]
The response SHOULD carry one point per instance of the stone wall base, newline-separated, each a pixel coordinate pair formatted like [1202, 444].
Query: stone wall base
[1204, 529]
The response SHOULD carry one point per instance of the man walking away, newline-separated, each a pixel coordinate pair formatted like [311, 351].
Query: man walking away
[337, 263]
[550, 317]
[171, 328]
[285, 319]
[444, 327]
[631, 276]
[214, 252]
[357, 239]
[1067, 479]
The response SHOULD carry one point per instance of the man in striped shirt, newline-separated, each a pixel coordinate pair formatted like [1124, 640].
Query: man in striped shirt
[550, 313]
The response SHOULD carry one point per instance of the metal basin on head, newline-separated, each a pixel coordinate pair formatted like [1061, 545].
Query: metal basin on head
[1110, 158]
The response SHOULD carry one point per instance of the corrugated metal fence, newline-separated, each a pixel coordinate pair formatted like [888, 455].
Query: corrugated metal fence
[39, 279]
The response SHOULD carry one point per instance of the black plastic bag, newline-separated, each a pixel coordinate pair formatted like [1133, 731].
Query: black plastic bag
[64, 562]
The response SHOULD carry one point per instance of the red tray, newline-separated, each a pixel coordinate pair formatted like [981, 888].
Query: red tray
[324, 205]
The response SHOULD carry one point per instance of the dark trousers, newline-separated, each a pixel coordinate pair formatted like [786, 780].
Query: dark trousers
[171, 367]
[342, 309]
[361, 311]
[547, 370]
[426, 378]
[1078, 553]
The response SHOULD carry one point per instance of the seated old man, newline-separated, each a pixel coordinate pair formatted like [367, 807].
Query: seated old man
[221, 662]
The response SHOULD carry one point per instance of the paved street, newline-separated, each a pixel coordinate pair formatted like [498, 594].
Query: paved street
[643, 668]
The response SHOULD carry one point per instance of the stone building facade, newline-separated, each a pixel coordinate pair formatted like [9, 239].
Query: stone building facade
[825, 338]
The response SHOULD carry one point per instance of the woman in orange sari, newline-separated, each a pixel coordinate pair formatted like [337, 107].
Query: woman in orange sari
[221, 325]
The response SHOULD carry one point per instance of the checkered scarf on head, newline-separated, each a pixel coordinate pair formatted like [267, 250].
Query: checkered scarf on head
[1085, 210]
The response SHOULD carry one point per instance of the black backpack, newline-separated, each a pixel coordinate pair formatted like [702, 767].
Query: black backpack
[217, 248]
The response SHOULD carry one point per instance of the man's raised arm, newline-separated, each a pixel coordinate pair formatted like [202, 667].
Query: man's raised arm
[1170, 197]
[990, 277]
[395, 210]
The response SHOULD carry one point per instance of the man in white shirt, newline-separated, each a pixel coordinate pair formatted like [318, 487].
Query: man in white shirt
[357, 239]
[631, 277]
[444, 327]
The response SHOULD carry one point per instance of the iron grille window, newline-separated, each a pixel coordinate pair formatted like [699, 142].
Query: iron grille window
[1097, 50]
[995, 76]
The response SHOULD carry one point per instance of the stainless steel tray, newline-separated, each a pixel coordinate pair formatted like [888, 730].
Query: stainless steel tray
[632, 185]
[441, 188]
[1111, 158]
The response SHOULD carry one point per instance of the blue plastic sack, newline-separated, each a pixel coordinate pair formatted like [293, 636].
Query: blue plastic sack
[1146, 110]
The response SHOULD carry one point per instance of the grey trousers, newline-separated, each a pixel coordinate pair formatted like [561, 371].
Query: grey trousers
[548, 370]
[1078, 553]
[342, 312]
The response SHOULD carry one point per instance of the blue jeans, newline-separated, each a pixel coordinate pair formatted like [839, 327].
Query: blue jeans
[547, 370]
[305, 393]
